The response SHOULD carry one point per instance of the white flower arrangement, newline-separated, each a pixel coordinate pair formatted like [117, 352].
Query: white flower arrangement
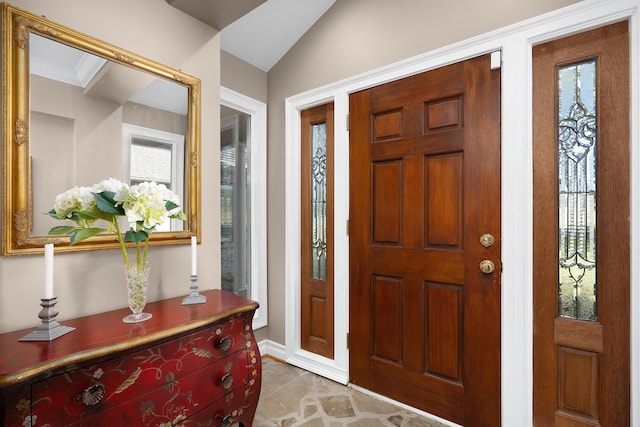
[145, 205]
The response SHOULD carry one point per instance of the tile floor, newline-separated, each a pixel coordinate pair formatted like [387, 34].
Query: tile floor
[292, 397]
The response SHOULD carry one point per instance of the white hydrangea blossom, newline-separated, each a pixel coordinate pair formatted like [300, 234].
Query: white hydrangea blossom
[168, 195]
[74, 199]
[120, 189]
[143, 203]
[146, 203]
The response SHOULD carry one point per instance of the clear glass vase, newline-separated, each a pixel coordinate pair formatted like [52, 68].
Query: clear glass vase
[137, 279]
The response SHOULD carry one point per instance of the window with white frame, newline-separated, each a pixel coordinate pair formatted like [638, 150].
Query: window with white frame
[243, 227]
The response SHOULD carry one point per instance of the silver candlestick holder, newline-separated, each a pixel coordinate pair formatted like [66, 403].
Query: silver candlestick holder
[49, 329]
[194, 297]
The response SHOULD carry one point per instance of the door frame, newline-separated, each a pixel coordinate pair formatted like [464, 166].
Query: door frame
[515, 42]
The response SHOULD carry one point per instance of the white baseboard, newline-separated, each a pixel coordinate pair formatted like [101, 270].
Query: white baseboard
[304, 360]
[318, 365]
[272, 348]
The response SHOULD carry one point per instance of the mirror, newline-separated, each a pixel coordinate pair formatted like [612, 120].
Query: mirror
[77, 110]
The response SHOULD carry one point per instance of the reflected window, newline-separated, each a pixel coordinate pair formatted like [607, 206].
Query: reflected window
[151, 161]
[154, 155]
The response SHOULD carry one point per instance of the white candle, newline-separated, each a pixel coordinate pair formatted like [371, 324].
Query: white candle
[48, 271]
[194, 256]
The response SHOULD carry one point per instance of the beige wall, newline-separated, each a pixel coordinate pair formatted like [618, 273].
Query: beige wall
[353, 37]
[92, 282]
[242, 77]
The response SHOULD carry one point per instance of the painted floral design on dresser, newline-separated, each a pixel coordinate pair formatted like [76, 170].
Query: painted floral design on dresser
[157, 386]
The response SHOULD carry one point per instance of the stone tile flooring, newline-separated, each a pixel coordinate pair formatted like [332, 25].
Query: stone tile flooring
[292, 397]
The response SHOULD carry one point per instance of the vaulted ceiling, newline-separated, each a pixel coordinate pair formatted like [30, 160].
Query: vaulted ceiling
[216, 13]
[259, 32]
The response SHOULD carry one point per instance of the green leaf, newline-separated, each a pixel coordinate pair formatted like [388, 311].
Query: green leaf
[107, 203]
[92, 212]
[74, 217]
[84, 233]
[135, 236]
[62, 229]
[63, 215]
[170, 205]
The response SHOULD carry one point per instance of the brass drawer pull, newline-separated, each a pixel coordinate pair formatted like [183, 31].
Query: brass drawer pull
[225, 343]
[226, 381]
[227, 420]
[93, 395]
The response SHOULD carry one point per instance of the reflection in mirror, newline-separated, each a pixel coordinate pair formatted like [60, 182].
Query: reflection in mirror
[110, 119]
[83, 111]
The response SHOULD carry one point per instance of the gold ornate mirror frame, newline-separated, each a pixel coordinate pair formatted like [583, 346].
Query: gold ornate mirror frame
[17, 206]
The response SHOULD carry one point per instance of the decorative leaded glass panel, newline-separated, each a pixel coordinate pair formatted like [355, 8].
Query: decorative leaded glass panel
[577, 290]
[319, 201]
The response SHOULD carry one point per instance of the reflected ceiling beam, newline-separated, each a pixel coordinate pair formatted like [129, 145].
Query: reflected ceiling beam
[216, 13]
[117, 83]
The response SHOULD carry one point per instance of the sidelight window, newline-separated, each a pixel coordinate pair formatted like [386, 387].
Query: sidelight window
[577, 160]
[243, 199]
[235, 204]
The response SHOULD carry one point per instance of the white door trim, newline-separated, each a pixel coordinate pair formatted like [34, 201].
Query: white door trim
[335, 369]
[515, 41]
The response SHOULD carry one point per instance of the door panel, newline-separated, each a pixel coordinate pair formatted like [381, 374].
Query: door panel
[581, 272]
[443, 346]
[425, 185]
[444, 201]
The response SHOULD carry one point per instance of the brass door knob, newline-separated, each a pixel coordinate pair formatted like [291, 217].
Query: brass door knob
[486, 266]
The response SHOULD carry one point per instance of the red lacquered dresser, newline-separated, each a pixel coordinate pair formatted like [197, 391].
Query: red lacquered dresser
[193, 365]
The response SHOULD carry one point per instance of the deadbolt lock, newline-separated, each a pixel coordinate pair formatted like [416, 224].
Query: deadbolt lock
[487, 240]
[486, 266]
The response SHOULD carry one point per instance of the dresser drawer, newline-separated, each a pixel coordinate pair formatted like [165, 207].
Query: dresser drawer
[237, 406]
[114, 382]
[177, 400]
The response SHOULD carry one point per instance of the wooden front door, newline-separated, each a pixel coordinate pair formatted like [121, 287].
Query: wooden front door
[424, 189]
[581, 229]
